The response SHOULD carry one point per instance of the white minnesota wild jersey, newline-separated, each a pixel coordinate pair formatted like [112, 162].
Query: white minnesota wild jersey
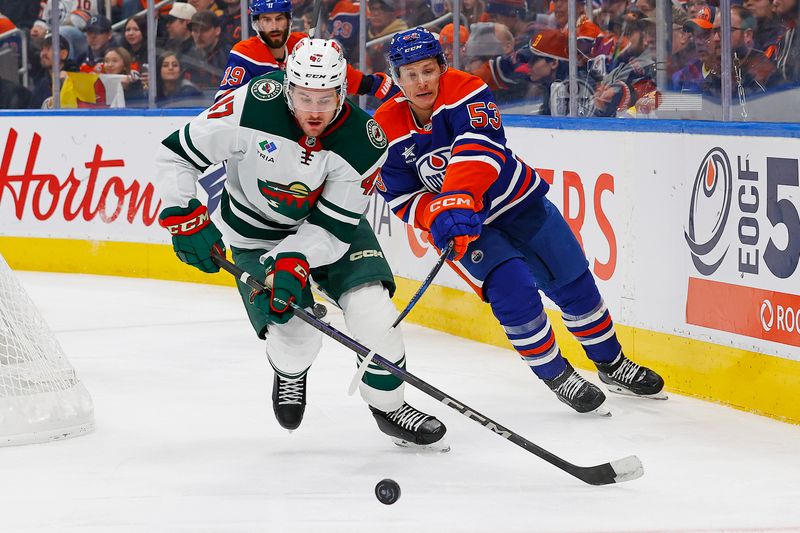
[284, 191]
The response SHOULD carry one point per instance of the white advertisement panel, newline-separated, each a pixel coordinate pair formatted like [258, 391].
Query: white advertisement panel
[694, 235]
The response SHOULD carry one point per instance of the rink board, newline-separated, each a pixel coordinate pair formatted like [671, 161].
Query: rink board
[693, 234]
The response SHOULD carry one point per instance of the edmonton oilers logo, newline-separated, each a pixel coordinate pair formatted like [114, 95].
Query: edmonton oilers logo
[477, 256]
[431, 168]
[708, 211]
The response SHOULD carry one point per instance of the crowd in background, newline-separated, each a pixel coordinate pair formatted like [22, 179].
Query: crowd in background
[519, 47]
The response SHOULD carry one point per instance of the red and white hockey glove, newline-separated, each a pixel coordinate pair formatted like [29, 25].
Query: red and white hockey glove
[193, 235]
[381, 85]
[288, 274]
[451, 216]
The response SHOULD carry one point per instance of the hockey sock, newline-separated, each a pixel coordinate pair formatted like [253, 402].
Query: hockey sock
[587, 318]
[516, 303]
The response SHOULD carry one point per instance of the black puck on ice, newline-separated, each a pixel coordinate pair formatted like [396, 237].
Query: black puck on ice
[387, 491]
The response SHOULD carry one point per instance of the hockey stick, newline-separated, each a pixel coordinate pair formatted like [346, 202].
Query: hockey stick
[362, 367]
[315, 14]
[618, 471]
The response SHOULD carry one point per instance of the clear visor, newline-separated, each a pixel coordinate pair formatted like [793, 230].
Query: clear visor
[314, 100]
[417, 73]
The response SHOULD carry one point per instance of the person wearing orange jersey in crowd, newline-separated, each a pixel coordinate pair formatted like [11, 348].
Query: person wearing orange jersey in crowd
[449, 172]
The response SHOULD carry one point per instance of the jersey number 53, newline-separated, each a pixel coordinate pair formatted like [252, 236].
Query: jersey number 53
[482, 114]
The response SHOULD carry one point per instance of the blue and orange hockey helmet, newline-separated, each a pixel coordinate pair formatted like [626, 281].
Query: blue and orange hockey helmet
[414, 45]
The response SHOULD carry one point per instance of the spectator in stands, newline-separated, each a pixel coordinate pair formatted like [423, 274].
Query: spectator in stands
[511, 14]
[489, 55]
[43, 83]
[447, 40]
[343, 25]
[383, 19]
[548, 63]
[135, 40]
[702, 73]
[787, 55]
[177, 25]
[231, 21]
[99, 38]
[768, 27]
[206, 5]
[473, 10]
[682, 47]
[756, 72]
[693, 7]
[206, 60]
[22, 13]
[172, 85]
[608, 12]
[118, 60]
[417, 13]
[6, 24]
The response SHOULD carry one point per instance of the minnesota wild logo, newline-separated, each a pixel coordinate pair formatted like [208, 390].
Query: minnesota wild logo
[294, 200]
[265, 89]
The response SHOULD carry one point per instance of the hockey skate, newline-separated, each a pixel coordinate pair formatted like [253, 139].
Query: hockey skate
[573, 390]
[623, 376]
[289, 400]
[410, 428]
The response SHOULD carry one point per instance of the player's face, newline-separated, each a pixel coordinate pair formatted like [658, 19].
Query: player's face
[170, 69]
[420, 82]
[314, 109]
[274, 29]
[132, 33]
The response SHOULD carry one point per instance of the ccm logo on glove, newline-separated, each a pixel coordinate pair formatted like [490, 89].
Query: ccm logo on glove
[461, 200]
[188, 224]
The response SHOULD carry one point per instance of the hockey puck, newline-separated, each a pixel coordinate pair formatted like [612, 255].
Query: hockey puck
[320, 310]
[387, 491]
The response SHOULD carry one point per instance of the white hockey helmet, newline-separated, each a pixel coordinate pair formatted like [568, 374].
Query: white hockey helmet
[316, 64]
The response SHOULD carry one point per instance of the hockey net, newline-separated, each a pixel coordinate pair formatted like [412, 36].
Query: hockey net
[41, 398]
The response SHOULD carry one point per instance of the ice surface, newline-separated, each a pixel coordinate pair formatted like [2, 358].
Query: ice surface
[186, 440]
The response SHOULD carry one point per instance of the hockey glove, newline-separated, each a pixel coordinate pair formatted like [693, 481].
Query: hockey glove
[380, 86]
[287, 272]
[193, 235]
[451, 216]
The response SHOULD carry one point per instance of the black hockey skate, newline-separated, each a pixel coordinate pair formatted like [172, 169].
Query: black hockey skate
[289, 400]
[573, 390]
[623, 376]
[411, 428]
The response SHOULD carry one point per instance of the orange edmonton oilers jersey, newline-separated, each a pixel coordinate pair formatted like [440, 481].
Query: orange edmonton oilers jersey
[462, 148]
[252, 58]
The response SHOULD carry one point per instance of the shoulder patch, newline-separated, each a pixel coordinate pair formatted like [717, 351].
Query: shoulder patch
[265, 89]
[376, 135]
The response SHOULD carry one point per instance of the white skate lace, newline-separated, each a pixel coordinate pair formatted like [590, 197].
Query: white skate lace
[571, 385]
[290, 391]
[626, 372]
[408, 417]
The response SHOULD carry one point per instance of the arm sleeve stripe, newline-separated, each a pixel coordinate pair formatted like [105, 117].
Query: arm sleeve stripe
[395, 203]
[338, 212]
[478, 137]
[460, 159]
[402, 211]
[478, 148]
[247, 229]
[173, 142]
[342, 231]
[412, 212]
[186, 139]
[513, 183]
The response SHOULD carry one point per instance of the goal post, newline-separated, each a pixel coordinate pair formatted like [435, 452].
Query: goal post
[41, 397]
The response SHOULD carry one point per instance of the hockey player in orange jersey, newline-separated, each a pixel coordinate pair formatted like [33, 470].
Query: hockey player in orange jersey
[449, 172]
[266, 52]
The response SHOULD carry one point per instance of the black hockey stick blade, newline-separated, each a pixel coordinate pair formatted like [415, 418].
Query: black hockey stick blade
[618, 471]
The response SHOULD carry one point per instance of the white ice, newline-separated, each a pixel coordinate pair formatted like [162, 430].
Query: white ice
[186, 440]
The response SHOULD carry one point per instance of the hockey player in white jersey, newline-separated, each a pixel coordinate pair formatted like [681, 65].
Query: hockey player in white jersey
[301, 163]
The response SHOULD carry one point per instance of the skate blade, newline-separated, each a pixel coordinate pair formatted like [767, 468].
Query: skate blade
[439, 446]
[616, 389]
[600, 411]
